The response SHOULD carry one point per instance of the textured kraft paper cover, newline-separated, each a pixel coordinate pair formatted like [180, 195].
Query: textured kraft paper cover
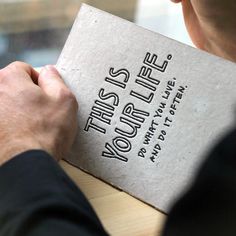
[149, 107]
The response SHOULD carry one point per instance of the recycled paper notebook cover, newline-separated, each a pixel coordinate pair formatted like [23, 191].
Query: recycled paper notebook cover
[149, 107]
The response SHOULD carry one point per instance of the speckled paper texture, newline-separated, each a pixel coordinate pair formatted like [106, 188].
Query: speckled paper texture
[149, 107]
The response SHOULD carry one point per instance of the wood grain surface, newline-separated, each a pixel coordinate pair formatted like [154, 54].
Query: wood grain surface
[120, 213]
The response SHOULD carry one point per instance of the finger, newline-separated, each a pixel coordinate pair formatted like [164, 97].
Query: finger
[50, 81]
[176, 1]
[23, 71]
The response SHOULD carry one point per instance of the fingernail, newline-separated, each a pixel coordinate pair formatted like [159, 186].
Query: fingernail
[52, 69]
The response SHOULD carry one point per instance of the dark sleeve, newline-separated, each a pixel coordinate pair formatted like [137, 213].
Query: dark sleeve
[37, 198]
[209, 206]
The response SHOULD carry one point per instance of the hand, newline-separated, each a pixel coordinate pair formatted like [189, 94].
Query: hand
[37, 111]
[211, 25]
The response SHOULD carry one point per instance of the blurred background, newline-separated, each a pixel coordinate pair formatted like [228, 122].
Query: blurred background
[35, 31]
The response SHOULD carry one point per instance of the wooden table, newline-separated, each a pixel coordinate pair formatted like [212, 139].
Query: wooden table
[120, 213]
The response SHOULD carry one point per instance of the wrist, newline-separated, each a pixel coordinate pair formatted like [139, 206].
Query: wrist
[11, 149]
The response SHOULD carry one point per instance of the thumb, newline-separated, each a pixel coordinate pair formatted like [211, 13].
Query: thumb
[50, 81]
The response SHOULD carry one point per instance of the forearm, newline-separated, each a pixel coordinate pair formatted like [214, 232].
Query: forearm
[38, 198]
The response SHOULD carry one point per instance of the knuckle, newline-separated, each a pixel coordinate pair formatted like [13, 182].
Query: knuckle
[67, 95]
[12, 70]
[64, 93]
[18, 64]
[4, 73]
